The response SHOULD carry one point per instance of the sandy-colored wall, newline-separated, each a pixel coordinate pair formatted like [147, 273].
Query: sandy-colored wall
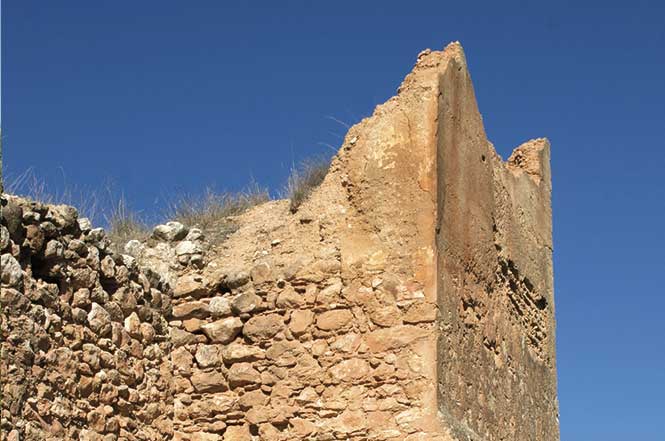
[409, 298]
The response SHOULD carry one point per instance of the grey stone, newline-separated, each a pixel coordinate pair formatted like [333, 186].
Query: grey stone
[12, 274]
[169, 232]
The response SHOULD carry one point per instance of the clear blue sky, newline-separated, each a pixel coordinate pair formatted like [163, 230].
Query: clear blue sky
[174, 95]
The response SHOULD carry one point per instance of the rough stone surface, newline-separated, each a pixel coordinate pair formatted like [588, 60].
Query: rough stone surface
[409, 298]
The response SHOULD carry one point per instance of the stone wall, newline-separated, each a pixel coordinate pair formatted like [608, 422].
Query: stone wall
[409, 298]
[85, 347]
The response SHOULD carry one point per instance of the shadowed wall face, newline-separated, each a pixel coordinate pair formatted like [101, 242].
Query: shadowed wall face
[496, 359]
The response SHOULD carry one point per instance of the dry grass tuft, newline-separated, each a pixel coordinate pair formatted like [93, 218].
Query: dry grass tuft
[304, 179]
[29, 185]
[106, 207]
[212, 211]
[124, 224]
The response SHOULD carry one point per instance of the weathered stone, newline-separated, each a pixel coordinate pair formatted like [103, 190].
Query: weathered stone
[263, 326]
[133, 248]
[12, 214]
[108, 267]
[84, 224]
[236, 279]
[350, 370]
[209, 381]
[208, 355]
[182, 360]
[180, 337]
[237, 433]
[389, 315]
[63, 216]
[35, 238]
[224, 330]
[190, 309]
[261, 273]
[289, 298]
[335, 319]
[219, 307]
[99, 320]
[12, 275]
[302, 428]
[245, 303]
[169, 232]
[241, 374]
[133, 325]
[190, 285]
[329, 295]
[421, 312]
[4, 238]
[394, 338]
[300, 321]
[187, 247]
[238, 352]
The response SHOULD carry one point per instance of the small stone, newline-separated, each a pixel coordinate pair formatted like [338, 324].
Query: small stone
[209, 381]
[223, 331]
[35, 238]
[394, 338]
[208, 355]
[386, 316]
[133, 248]
[302, 428]
[99, 320]
[12, 214]
[193, 324]
[194, 235]
[237, 433]
[263, 326]
[421, 312]
[350, 370]
[289, 298]
[187, 248]
[147, 332]
[245, 303]
[81, 298]
[195, 309]
[54, 249]
[182, 360]
[236, 279]
[169, 232]
[335, 319]
[107, 266]
[133, 325]
[300, 321]
[78, 246]
[261, 273]
[238, 352]
[190, 285]
[85, 225]
[4, 238]
[219, 307]
[12, 275]
[242, 374]
[330, 294]
[181, 338]
[63, 216]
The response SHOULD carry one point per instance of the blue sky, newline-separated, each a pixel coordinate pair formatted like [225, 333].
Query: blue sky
[162, 96]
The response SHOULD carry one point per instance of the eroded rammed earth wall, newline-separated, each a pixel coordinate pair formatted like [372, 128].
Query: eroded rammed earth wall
[410, 298]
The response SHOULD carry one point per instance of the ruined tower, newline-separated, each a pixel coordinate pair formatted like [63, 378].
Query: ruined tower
[409, 298]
